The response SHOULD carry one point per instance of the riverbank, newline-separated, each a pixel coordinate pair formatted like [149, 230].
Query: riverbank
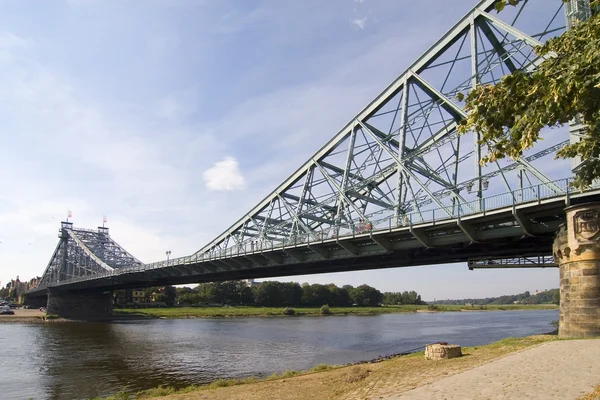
[364, 381]
[22, 315]
[222, 312]
[36, 316]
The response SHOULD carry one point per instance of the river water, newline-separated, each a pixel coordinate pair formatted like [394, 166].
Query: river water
[83, 360]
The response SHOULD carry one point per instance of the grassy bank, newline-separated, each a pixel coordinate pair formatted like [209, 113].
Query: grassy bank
[369, 380]
[217, 312]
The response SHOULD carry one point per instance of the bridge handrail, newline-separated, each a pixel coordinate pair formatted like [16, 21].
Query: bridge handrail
[515, 197]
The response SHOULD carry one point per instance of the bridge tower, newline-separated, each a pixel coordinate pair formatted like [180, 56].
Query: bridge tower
[80, 255]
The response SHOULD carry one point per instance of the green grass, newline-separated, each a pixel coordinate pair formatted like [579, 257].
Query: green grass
[219, 312]
[219, 383]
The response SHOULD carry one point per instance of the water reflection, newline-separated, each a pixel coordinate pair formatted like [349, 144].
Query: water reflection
[82, 360]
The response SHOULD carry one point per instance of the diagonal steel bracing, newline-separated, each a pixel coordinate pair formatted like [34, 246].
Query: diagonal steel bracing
[398, 166]
[84, 252]
[402, 154]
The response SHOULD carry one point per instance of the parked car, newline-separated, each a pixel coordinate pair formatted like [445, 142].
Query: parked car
[7, 312]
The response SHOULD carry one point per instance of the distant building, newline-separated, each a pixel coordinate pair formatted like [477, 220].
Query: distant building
[139, 296]
[17, 289]
[250, 282]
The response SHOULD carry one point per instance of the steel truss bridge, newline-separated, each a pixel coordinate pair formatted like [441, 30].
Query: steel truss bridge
[397, 186]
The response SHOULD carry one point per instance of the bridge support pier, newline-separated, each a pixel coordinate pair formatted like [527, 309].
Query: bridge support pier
[577, 251]
[35, 302]
[80, 305]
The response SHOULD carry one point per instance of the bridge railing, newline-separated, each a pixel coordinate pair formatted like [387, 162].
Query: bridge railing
[535, 193]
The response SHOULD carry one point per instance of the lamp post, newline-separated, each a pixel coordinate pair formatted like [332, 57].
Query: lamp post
[168, 253]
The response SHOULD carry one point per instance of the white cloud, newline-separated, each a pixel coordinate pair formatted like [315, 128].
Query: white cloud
[224, 176]
[360, 22]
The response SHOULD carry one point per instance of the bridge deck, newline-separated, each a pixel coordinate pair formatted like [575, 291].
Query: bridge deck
[498, 230]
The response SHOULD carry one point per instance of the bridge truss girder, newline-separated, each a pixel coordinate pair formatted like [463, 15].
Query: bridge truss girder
[84, 252]
[401, 154]
[397, 186]
[545, 261]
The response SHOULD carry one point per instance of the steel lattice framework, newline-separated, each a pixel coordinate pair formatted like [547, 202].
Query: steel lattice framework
[515, 262]
[401, 158]
[396, 186]
[84, 252]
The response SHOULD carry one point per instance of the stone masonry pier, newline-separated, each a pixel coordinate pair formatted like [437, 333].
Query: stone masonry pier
[577, 251]
[80, 305]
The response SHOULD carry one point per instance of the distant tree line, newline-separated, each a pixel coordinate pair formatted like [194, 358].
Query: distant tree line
[290, 294]
[397, 298]
[551, 296]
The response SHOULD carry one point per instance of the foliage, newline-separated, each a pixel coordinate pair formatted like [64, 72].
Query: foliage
[290, 373]
[321, 367]
[365, 295]
[545, 297]
[566, 85]
[228, 292]
[397, 298]
[325, 309]
[289, 311]
[316, 295]
[169, 293]
[273, 294]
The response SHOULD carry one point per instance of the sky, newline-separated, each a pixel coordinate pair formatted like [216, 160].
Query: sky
[175, 117]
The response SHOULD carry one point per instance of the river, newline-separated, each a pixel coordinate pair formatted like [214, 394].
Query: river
[83, 360]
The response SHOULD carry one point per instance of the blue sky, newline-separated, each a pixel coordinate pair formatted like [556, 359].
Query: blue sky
[174, 117]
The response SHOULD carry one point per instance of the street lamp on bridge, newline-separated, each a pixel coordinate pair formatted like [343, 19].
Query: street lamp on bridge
[168, 253]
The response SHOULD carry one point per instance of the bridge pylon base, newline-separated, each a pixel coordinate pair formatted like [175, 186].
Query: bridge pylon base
[577, 251]
[35, 302]
[80, 305]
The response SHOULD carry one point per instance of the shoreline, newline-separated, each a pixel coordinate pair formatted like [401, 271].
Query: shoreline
[143, 314]
[267, 312]
[375, 378]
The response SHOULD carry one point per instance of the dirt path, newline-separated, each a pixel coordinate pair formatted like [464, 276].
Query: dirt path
[563, 370]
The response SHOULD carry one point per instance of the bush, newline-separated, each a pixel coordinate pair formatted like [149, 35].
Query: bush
[325, 309]
[321, 367]
[289, 311]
